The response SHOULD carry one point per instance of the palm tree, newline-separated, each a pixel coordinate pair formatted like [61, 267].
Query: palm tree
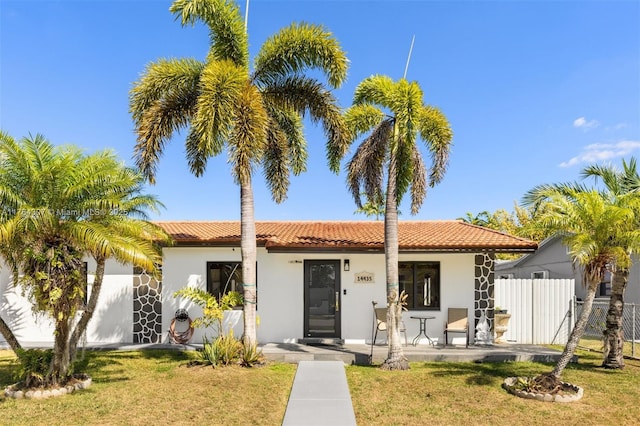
[596, 228]
[256, 114]
[58, 206]
[481, 219]
[617, 182]
[395, 116]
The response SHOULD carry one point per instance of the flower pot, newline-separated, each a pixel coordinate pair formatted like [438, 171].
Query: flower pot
[501, 323]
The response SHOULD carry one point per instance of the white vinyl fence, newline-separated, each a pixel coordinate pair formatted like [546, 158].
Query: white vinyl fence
[541, 309]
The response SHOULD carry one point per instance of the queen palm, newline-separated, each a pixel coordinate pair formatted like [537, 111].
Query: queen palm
[394, 117]
[256, 114]
[596, 228]
[58, 206]
[619, 183]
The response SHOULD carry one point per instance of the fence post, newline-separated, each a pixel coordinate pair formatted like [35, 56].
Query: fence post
[633, 332]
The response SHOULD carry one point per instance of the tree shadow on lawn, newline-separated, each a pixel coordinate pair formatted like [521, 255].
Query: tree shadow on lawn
[494, 373]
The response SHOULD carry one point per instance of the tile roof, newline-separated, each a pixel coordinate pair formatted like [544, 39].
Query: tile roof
[440, 235]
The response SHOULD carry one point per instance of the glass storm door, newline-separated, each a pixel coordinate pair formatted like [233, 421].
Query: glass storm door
[322, 298]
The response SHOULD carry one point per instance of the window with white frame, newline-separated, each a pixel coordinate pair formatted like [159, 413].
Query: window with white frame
[538, 275]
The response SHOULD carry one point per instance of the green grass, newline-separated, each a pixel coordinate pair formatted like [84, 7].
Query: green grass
[157, 387]
[470, 393]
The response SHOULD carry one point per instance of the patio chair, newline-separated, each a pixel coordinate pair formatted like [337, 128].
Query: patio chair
[381, 323]
[457, 322]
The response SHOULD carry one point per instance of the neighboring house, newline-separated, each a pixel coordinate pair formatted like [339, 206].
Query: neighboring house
[315, 280]
[552, 261]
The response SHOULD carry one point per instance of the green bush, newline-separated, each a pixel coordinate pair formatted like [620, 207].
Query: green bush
[223, 350]
[34, 366]
[251, 355]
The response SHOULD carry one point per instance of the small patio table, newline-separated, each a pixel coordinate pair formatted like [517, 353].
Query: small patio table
[423, 329]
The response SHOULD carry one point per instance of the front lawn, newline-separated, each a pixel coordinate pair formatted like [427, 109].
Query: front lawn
[445, 393]
[147, 387]
[157, 387]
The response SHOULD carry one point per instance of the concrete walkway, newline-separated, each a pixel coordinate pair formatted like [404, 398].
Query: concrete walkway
[320, 396]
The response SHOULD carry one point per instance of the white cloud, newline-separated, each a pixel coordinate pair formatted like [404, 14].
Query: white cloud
[582, 123]
[602, 151]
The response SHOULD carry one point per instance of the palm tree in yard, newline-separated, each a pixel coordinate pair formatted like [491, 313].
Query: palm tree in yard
[625, 182]
[393, 116]
[59, 205]
[256, 114]
[597, 229]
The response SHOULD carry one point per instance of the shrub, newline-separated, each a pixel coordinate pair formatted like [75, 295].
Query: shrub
[251, 355]
[223, 350]
[34, 366]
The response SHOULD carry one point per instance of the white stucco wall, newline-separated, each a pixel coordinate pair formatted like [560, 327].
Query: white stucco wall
[111, 322]
[281, 290]
[280, 296]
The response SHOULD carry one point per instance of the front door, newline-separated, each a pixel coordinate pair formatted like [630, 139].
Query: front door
[322, 298]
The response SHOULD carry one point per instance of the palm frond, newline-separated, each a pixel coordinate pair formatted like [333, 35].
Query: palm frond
[366, 167]
[248, 139]
[298, 48]
[221, 86]
[418, 180]
[162, 102]
[360, 119]
[276, 163]
[374, 90]
[228, 37]
[434, 128]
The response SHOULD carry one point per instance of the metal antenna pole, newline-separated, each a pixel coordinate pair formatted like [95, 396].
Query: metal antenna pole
[406, 68]
[246, 17]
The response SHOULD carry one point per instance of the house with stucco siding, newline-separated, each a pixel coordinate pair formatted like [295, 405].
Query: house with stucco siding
[315, 280]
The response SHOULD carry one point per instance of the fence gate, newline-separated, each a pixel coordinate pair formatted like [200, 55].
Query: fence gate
[541, 309]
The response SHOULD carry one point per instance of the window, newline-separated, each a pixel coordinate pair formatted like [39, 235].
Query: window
[223, 277]
[505, 276]
[421, 281]
[604, 289]
[539, 275]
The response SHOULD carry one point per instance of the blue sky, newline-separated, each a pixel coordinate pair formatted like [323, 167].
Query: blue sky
[534, 90]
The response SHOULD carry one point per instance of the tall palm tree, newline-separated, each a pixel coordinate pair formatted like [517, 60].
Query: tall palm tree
[394, 116]
[255, 113]
[617, 182]
[58, 206]
[596, 228]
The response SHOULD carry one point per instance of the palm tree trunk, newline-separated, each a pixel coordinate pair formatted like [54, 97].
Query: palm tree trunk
[5, 330]
[613, 333]
[9, 336]
[578, 330]
[248, 251]
[81, 326]
[61, 362]
[395, 358]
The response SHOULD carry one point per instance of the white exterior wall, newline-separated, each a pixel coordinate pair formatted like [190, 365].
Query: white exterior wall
[111, 323]
[281, 290]
[280, 296]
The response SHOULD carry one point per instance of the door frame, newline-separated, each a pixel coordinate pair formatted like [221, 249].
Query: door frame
[338, 290]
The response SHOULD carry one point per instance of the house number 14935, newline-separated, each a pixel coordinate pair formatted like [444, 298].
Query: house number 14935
[364, 278]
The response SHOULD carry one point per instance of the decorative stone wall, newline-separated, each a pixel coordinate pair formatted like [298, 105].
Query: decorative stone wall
[484, 287]
[147, 308]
